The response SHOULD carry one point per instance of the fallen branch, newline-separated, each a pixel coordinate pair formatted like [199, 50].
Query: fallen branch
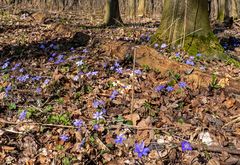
[217, 149]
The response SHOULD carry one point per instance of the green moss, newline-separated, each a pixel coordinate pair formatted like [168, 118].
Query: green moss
[207, 45]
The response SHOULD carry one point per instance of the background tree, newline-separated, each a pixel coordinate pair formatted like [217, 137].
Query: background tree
[186, 23]
[112, 15]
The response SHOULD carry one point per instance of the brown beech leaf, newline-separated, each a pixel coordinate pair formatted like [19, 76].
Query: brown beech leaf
[133, 117]
[145, 134]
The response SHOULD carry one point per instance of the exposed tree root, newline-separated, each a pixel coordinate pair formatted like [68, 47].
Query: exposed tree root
[148, 56]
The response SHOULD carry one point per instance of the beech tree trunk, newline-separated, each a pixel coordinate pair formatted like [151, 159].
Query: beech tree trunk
[186, 23]
[112, 15]
[141, 8]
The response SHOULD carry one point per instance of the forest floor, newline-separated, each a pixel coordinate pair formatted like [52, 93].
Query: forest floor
[65, 100]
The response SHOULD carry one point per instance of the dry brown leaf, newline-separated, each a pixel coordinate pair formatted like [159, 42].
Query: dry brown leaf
[56, 75]
[145, 135]
[133, 117]
[8, 148]
[229, 103]
[213, 161]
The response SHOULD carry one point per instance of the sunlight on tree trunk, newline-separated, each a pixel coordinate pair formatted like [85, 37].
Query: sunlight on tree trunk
[141, 8]
[132, 8]
[112, 15]
[195, 32]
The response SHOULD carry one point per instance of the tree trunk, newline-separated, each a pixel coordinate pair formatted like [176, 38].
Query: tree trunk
[112, 15]
[186, 23]
[141, 8]
[221, 10]
[132, 8]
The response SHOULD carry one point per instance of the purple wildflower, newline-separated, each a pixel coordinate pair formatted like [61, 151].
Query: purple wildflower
[96, 127]
[186, 146]
[114, 94]
[15, 66]
[138, 72]
[50, 59]
[5, 65]
[38, 90]
[190, 62]
[76, 78]
[116, 64]
[141, 150]
[169, 88]
[98, 115]
[119, 70]
[163, 46]
[8, 88]
[46, 81]
[21, 70]
[64, 137]
[199, 55]
[53, 54]
[94, 73]
[156, 45]
[191, 57]
[36, 78]
[79, 63]
[182, 84]
[85, 50]
[23, 78]
[159, 88]
[42, 46]
[23, 115]
[119, 139]
[98, 103]
[178, 54]
[78, 123]
[72, 49]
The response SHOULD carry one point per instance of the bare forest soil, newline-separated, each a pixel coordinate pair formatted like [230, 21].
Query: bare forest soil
[76, 93]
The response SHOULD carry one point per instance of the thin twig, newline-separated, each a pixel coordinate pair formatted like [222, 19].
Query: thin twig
[134, 65]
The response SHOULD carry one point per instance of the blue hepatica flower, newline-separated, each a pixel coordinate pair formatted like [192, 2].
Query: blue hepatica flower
[116, 64]
[199, 55]
[78, 123]
[169, 88]
[186, 146]
[119, 139]
[191, 57]
[190, 62]
[98, 115]
[138, 71]
[94, 73]
[42, 46]
[96, 127]
[23, 115]
[79, 63]
[46, 81]
[178, 54]
[21, 70]
[36, 78]
[98, 103]
[159, 88]
[182, 84]
[39, 90]
[8, 88]
[114, 94]
[156, 45]
[5, 65]
[163, 46]
[60, 59]
[23, 78]
[119, 70]
[64, 137]
[72, 49]
[16, 66]
[76, 78]
[85, 50]
[141, 150]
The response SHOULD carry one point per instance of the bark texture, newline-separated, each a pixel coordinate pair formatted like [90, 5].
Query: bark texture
[186, 23]
[112, 15]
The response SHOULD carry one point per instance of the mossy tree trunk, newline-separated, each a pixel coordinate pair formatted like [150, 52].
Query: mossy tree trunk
[221, 10]
[186, 23]
[112, 15]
